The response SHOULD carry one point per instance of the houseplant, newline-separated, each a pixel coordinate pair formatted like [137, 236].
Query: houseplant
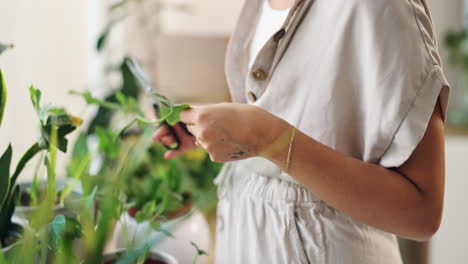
[47, 237]
[158, 195]
[48, 117]
[456, 44]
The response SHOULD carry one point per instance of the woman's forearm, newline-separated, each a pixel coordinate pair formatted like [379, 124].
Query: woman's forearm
[369, 193]
[406, 201]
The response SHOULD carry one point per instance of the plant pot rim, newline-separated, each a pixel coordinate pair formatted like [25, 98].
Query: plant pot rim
[21, 227]
[28, 208]
[184, 210]
[160, 255]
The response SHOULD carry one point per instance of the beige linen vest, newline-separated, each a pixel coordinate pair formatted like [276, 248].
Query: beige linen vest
[360, 76]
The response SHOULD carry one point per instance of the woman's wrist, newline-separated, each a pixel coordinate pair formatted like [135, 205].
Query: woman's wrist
[276, 144]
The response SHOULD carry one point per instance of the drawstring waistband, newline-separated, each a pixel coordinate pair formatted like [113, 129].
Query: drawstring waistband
[240, 180]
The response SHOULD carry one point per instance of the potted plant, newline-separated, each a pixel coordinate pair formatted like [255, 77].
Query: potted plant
[455, 42]
[158, 191]
[161, 201]
[55, 125]
[31, 192]
[10, 232]
[50, 238]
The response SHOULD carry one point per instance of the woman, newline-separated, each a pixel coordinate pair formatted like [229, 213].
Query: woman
[335, 142]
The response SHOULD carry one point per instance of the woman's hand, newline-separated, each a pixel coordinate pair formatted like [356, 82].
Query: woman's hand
[163, 135]
[230, 131]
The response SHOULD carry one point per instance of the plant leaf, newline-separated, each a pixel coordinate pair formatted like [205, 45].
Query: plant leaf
[108, 142]
[63, 230]
[5, 162]
[174, 115]
[30, 153]
[102, 39]
[64, 123]
[4, 47]
[134, 254]
[3, 96]
[199, 251]
[35, 98]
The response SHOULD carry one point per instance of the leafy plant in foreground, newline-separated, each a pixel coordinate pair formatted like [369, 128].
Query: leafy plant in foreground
[457, 45]
[51, 121]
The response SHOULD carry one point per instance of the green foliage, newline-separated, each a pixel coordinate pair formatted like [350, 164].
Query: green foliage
[3, 96]
[109, 143]
[62, 231]
[53, 117]
[4, 47]
[173, 115]
[457, 45]
[5, 162]
[55, 124]
[199, 252]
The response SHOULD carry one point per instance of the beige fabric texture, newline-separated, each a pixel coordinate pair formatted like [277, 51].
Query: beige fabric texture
[360, 76]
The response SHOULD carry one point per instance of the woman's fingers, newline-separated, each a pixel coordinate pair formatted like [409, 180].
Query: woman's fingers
[173, 154]
[188, 116]
[161, 132]
[168, 140]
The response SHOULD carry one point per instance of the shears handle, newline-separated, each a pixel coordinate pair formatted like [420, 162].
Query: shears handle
[171, 129]
[173, 133]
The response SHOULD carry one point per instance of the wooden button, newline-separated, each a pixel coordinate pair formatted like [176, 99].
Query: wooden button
[252, 96]
[279, 35]
[258, 75]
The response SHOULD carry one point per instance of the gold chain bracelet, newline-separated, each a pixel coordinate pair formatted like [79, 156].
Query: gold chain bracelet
[288, 159]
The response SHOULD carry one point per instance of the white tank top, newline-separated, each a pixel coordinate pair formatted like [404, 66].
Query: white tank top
[270, 21]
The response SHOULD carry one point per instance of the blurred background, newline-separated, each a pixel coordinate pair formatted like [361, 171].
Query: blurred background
[62, 45]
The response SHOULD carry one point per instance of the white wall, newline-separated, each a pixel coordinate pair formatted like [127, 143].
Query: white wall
[450, 244]
[54, 51]
[207, 17]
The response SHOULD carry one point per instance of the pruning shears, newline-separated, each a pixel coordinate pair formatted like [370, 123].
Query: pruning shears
[157, 99]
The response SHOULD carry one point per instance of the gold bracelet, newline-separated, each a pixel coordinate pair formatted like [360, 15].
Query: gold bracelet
[288, 160]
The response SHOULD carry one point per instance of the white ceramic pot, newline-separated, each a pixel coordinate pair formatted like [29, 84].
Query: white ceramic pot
[190, 227]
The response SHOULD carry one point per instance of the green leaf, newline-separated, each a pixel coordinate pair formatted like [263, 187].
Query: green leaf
[9, 207]
[174, 115]
[30, 153]
[91, 100]
[128, 104]
[43, 112]
[80, 148]
[133, 255]
[35, 95]
[65, 124]
[102, 39]
[5, 162]
[4, 47]
[3, 96]
[91, 198]
[108, 142]
[63, 230]
[199, 251]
